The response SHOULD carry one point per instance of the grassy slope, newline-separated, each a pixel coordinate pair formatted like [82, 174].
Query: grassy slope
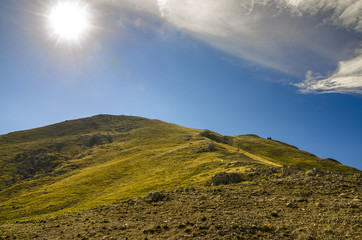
[286, 154]
[287, 204]
[145, 155]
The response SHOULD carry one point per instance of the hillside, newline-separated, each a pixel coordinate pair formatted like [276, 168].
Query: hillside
[101, 160]
[277, 203]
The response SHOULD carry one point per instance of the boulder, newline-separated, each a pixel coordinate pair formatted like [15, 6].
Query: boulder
[224, 178]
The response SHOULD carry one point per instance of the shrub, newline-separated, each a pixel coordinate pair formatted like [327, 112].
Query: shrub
[211, 147]
[266, 228]
[217, 137]
[181, 226]
[274, 214]
[98, 139]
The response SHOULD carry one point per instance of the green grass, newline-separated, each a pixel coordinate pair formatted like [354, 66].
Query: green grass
[145, 155]
[282, 153]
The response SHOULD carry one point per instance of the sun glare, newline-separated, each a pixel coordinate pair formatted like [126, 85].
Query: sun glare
[69, 21]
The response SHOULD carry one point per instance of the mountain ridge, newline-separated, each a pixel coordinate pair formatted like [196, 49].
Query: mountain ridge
[82, 163]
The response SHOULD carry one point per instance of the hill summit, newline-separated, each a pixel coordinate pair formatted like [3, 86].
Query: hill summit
[103, 160]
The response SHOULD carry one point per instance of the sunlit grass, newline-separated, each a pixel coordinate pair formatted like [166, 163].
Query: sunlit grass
[145, 155]
[285, 154]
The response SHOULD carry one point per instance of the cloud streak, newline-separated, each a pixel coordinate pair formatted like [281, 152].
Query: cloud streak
[346, 79]
[348, 76]
[345, 13]
[293, 36]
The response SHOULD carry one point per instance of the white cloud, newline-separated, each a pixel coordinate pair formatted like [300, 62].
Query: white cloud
[264, 31]
[348, 76]
[345, 13]
[346, 79]
[142, 6]
[294, 36]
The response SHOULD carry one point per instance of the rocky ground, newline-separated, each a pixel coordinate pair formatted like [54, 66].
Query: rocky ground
[275, 203]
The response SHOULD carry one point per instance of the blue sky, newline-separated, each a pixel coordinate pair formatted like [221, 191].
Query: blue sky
[291, 70]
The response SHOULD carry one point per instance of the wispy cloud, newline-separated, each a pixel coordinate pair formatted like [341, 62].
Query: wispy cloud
[348, 76]
[294, 36]
[346, 13]
[346, 79]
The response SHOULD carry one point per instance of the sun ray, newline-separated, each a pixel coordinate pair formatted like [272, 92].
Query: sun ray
[69, 21]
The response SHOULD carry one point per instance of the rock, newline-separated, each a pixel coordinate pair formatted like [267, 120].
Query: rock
[224, 178]
[290, 170]
[155, 197]
[315, 172]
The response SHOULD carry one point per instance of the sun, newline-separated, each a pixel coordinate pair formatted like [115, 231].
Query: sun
[69, 21]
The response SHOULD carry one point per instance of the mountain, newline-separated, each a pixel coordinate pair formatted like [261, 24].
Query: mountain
[101, 160]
